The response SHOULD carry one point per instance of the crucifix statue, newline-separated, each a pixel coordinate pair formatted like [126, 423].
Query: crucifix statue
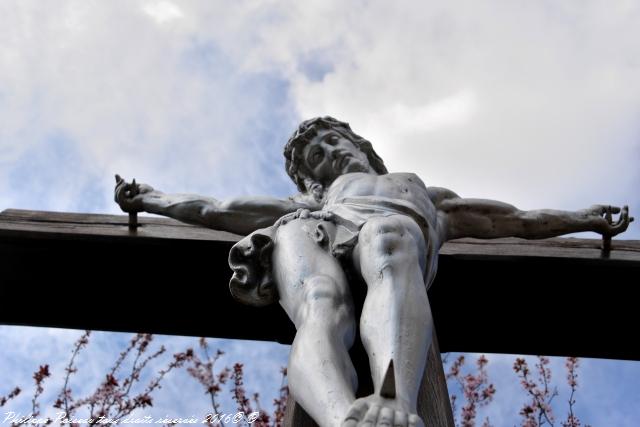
[352, 217]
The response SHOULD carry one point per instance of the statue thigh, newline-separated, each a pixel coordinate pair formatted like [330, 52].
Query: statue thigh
[305, 271]
[387, 240]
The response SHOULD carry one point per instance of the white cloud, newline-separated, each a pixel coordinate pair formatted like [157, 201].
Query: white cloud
[454, 110]
[535, 104]
[552, 100]
[552, 119]
[166, 105]
[163, 11]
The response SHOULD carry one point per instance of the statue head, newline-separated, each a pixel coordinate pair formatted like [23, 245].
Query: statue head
[298, 169]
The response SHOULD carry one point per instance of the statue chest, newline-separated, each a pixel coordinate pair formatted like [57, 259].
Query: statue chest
[407, 188]
[403, 186]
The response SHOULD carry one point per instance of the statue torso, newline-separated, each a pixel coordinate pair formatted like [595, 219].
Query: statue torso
[358, 196]
[405, 188]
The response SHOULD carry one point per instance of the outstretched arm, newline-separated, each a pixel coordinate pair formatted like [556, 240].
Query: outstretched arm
[488, 219]
[240, 215]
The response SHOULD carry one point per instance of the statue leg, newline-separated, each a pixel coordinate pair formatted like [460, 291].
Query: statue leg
[314, 292]
[396, 319]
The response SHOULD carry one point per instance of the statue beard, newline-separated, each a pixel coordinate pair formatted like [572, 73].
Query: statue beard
[356, 165]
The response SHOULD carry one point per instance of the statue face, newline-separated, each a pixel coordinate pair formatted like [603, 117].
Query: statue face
[329, 155]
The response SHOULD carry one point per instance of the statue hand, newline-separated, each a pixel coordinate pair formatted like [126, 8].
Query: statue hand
[130, 195]
[602, 219]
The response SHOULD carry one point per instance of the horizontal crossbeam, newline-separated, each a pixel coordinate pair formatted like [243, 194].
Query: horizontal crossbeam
[89, 271]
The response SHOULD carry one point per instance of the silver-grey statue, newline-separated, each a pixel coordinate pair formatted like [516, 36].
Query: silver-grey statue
[350, 213]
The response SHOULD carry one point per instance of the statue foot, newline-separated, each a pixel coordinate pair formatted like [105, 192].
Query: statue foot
[378, 411]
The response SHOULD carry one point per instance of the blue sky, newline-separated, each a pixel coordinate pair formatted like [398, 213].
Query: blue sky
[534, 103]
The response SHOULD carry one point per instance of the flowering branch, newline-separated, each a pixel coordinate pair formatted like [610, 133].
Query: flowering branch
[64, 398]
[4, 399]
[280, 402]
[39, 377]
[476, 389]
[572, 364]
[541, 398]
[203, 372]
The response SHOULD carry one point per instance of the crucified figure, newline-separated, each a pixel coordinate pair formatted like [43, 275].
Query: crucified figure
[386, 228]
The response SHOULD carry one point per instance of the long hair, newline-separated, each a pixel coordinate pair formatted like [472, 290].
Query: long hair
[307, 130]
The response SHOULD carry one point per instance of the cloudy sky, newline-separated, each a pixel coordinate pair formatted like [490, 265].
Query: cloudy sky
[536, 103]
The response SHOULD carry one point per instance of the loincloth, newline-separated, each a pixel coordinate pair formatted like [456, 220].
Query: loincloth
[250, 259]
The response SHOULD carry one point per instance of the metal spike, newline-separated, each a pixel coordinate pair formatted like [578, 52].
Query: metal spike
[133, 216]
[388, 388]
[606, 238]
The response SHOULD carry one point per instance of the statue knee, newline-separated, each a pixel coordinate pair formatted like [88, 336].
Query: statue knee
[323, 295]
[387, 235]
[322, 289]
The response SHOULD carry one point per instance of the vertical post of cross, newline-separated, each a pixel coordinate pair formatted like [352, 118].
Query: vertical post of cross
[434, 406]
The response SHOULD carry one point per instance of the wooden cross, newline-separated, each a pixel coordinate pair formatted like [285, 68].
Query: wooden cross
[57, 268]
